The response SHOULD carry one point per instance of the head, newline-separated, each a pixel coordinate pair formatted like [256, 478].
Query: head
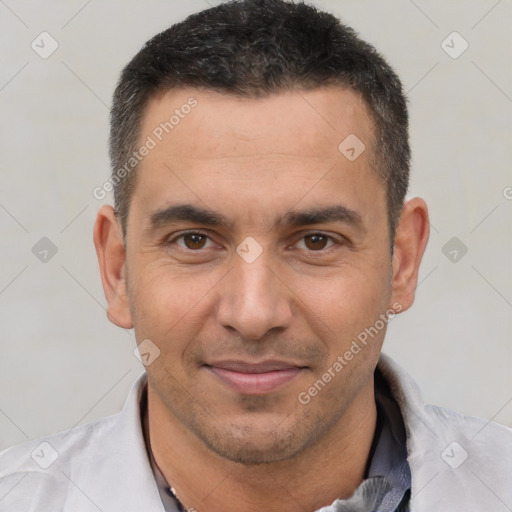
[247, 237]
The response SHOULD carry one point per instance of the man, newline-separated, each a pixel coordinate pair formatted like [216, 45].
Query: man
[259, 246]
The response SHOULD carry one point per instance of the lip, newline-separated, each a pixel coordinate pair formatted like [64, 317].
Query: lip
[255, 379]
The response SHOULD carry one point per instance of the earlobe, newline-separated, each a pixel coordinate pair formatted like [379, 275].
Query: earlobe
[410, 242]
[111, 253]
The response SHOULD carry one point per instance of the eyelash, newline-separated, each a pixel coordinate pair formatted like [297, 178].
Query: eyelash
[335, 242]
[187, 233]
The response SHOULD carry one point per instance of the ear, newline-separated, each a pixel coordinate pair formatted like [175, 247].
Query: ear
[410, 242]
[108, 240]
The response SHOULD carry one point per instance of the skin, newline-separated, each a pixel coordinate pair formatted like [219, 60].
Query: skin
[302, 301]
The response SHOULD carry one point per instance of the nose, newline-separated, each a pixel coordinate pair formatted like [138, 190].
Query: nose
[254, 300]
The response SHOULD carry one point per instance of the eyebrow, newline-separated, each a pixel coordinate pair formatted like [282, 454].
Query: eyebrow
[336, 213]
[207, 217]
[187, 213]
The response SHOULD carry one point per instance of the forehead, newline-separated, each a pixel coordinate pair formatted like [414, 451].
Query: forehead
[301, 123]
[269, 153]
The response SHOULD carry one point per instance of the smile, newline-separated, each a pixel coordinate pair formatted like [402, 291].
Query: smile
[255, 379]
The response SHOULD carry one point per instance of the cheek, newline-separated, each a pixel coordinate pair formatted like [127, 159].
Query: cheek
[168, 305]
[344, 311]
[347, 299]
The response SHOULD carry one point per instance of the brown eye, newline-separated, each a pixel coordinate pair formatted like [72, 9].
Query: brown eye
[192, 241]
[316, 242]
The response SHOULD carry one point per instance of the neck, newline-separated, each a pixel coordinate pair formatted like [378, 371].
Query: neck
[330, 469]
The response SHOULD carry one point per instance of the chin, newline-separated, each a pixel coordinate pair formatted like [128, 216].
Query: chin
[251, 452]
[256, 443]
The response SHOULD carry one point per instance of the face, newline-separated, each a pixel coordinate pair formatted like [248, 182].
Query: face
[256, 254]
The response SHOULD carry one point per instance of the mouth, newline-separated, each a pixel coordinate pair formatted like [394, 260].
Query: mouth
[255, 379]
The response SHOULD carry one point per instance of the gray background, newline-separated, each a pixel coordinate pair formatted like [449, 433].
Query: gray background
[62, 363]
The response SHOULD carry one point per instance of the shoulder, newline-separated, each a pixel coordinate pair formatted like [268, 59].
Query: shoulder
[79, 443]
[56, 449]
[431, 422]
[482, 443]
[457, 462]
[463, 462]
[101, 465]
[469, 427]
[41, 467]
